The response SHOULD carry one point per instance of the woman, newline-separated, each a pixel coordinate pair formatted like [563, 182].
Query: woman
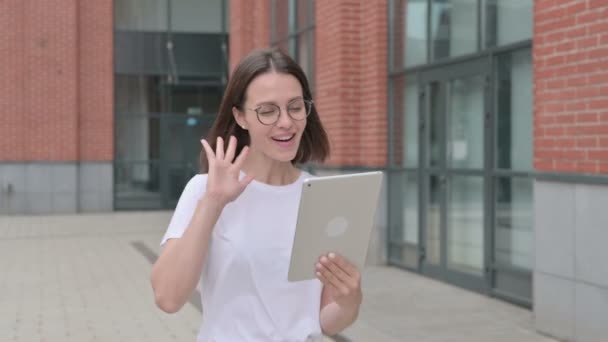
[233, 227]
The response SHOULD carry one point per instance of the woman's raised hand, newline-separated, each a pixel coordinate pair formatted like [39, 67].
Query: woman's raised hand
[223, 184]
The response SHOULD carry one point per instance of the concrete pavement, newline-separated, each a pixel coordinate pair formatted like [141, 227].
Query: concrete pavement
[86, 278]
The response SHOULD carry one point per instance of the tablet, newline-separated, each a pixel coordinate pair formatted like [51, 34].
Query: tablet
[336, 214]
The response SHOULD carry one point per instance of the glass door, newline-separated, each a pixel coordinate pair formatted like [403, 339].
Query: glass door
[453, 136]
[191, 110]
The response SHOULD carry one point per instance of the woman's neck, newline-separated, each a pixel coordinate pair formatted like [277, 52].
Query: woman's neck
[271, 173]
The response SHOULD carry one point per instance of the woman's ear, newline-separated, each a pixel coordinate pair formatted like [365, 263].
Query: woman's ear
[239, 117]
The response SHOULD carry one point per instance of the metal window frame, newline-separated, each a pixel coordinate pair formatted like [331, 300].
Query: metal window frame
[306, 33]
[491, 171]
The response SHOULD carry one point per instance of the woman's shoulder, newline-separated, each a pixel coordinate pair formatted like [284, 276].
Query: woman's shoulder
[198, 181]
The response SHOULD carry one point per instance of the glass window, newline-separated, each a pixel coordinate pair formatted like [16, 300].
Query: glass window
[416, 40]
[465, 123]
[408, 33]
[411, 112]
[293, 32]
[507, 21]
[514, 121]
[465, 224]
[433, 220]
[514, 218]
[141, 15]
[404, 216]
[165, 99]
[137, 94]
[196, 16]
[453, 28]
[405, 126]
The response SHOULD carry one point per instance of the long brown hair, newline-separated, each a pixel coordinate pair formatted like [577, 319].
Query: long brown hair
[314, 145]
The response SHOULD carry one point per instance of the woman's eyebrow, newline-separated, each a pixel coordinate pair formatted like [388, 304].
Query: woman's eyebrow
[274, 103]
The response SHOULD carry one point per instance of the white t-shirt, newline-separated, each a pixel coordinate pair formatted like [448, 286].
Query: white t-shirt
[245, 293]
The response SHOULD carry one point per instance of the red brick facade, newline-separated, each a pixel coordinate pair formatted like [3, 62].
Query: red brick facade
[249, 27]
[351, 71]
[56, 100]
[571, 86]
[56, 93]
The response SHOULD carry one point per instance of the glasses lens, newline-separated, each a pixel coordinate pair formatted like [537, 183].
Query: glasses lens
[268, 114]
[299, 109]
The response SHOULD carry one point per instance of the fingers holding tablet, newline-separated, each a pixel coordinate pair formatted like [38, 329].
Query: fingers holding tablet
[342, 277]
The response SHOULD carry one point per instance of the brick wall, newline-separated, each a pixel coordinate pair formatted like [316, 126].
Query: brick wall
[373, 109]
[57, 58]
[249, 27]
[96, 80]
[571, 86]
[351, 64]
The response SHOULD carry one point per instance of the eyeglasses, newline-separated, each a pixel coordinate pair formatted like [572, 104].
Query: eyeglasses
[269, 113]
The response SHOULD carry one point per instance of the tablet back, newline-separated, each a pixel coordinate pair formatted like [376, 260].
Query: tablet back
[336, 214]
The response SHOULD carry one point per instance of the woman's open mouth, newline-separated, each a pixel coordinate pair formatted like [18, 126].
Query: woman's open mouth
[285, 140]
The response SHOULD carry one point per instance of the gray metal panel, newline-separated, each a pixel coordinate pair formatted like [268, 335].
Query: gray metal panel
[591, 234]
[90, 202]
[89, 177]
[38, 178]
[105, 172]
[591, 313]
[63, 178]
[554, 305]
[16, 204]
[39, 203]
[13, 174]
[554, 226]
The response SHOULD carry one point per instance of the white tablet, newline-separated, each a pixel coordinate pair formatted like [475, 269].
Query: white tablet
[336, 214]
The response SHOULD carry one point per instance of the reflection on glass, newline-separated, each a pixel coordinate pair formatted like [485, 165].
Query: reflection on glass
[137, 94]
[137, 185]
[465, 224]
[453, 27]
[280, 20]
[514, 219]
[507, 22]
[135, 137]
[153, 15]
[410, 208]
[304, 10]
[196, 16]
[437, 104]
[141, 15]
[403, 221]
[465, 120]
[433, 222]
[304, 53]
[514, 123]
[415, 27]
[411, 112]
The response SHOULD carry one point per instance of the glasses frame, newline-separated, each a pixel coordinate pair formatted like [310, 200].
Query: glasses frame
[310, 103]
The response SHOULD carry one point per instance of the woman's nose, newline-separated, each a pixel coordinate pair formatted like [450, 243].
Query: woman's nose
[285, 121]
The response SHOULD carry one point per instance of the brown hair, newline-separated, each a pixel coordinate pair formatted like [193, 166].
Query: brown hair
[314, 145]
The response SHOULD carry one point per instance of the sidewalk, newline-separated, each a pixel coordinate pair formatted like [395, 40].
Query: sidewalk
[86, 278]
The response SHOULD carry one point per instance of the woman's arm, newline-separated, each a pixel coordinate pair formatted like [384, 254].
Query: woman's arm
[341, 296]
[179, 266]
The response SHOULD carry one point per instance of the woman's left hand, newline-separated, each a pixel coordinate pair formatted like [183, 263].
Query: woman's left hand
[341, 278]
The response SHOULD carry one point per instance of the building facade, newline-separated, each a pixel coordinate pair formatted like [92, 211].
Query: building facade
[489, 118]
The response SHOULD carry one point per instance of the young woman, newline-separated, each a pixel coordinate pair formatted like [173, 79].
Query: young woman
[233, 227]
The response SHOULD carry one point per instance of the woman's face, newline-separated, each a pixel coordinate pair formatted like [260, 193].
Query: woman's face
[278, 140]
